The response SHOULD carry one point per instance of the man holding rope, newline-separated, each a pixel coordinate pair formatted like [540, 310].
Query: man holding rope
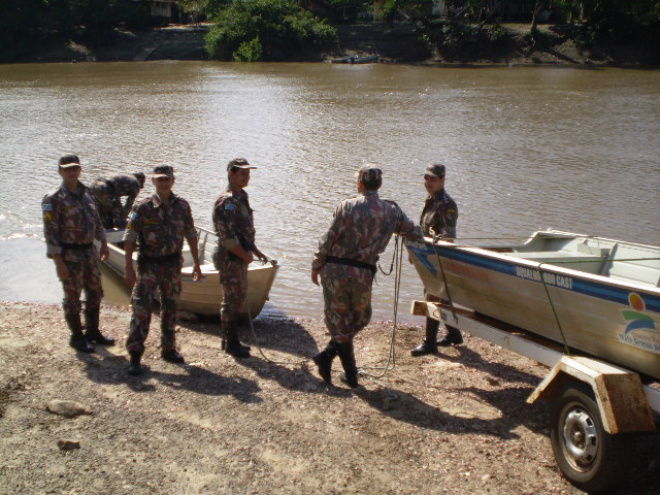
[346, 264]
[235, 250]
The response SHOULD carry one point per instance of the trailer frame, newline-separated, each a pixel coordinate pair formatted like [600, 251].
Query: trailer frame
[598, 407]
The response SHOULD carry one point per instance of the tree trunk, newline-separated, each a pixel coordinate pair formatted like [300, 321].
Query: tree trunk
[535, 17]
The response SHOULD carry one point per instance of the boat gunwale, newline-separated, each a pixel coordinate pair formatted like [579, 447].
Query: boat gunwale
[545, 266]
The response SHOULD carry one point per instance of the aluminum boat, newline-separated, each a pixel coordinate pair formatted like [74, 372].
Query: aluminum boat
[203, 297]
[595, 295]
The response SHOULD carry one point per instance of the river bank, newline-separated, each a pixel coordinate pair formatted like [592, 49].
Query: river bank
[454, 423]
[398, 43]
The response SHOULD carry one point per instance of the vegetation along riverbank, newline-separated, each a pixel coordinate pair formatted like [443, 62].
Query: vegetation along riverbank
[479, 32]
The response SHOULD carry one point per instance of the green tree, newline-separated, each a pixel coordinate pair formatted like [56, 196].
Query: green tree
[267, 29]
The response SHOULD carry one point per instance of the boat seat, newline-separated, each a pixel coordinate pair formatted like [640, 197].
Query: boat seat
[571, 260]
[634, 264]
[555, 256]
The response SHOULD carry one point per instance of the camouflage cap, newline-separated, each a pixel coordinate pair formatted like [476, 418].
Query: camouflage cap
[68, 161]
[164, 171]
[370, 173]
[239, 163]
[435, 170]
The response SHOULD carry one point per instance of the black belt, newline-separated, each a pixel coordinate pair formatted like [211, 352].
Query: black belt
[76, 247]
[159, 260]
[348, 262]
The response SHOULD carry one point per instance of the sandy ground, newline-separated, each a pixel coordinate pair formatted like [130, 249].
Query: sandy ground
[456, 423]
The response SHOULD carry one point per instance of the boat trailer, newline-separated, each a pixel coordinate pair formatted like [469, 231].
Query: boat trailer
[597, 408]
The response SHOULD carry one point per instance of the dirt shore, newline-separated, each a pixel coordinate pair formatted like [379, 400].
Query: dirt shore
[399, 43]
[456, 423]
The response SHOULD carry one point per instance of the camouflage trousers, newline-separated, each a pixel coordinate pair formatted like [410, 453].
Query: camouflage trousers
[347, 298]
[84, 274]
[165, 277]
[110, 209]
[233, 278]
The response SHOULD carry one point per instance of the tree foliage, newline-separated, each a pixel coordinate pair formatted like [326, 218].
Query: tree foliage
[252, 30]
[25, 25]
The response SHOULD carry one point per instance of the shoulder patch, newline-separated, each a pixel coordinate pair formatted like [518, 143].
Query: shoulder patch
[48, 206]
[230, 207]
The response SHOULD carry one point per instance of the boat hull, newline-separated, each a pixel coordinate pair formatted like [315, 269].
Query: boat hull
[608, 318]
[204, 297]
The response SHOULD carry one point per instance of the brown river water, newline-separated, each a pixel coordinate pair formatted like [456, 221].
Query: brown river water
[525, 149]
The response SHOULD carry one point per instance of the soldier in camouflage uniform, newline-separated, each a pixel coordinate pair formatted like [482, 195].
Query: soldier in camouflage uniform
[439, 218]
[233, 222]
[108, 194]
[71, 224]
[157, 226]
[346, 262]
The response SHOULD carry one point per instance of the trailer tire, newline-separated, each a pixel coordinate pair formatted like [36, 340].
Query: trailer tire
[588, 456]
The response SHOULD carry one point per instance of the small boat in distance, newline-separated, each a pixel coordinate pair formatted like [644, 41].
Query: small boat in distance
[203, 297]
[592, 294]
[354, 59]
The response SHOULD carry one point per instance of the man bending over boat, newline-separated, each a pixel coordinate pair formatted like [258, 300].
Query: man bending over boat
[157, 227]
[71, 225]
[108, 194]
[438, 220]
[235, 250]
[346, 263]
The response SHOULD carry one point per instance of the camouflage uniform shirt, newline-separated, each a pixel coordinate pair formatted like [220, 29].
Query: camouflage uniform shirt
[125, 185]
[108, 194]
[233, 222]
[71, 218]
[439, 216]
[159, 227]
[361, 229]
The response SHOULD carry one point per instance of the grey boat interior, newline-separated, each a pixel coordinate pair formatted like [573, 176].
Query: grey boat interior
[617, 260]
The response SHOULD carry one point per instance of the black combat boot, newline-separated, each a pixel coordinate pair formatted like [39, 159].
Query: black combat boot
[347, 357]
[429, 345]
[232, 345]
[324, 361]
[134, 368]
[77, 341]
[172, 357]
[453, 337]
[92, 333]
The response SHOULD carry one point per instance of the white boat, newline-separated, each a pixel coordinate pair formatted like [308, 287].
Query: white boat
[595, 295]
[203, 297]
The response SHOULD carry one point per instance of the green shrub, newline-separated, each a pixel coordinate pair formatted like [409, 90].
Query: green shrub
[496, 33]
[250, 51]
[279, 27]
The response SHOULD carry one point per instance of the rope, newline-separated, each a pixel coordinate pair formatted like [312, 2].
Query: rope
[391, 357]
[554, 311]
[258, 345]
[444, 278]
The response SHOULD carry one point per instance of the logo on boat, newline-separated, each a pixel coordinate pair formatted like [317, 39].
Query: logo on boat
[642, 330]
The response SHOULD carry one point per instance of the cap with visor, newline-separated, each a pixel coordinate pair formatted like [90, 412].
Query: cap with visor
[164, 171]
[69, 161]
[239, 163]
[435, 170]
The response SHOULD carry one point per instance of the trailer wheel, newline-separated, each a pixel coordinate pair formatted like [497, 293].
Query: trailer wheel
[588, 456]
